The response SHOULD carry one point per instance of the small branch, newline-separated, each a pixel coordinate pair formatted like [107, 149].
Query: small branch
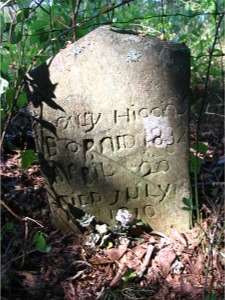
[52, 16]
[208, 73]
[32, 220]
[146, 261]
[24, 219]
[212, 245]
[18, 257]
[9, 209]
[119, 274]
[4, 4]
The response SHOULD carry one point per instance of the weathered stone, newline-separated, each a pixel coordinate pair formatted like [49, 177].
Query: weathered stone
[111, 125]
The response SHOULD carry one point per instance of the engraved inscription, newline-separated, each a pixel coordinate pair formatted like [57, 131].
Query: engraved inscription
[158, 131]
[149, 211]
[117, 137]
[85, 121]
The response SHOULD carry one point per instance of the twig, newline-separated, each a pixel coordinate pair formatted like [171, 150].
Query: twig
[25, 219]
[9, 209]
[119, 274]
[18, 257]
[146, 261]
[32, 251]
[75, 9]
[210, 252]
[32, 220]
[4, 4]
[160, 234]
[52, 16]
[72, 291]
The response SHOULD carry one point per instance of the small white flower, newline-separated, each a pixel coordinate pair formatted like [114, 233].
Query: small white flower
[92, 239]
[102, 229]
[85, 220]
[104, 239]
[122, 240]
[124, 217]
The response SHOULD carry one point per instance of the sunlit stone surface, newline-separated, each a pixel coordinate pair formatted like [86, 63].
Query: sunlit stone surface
[112, 129]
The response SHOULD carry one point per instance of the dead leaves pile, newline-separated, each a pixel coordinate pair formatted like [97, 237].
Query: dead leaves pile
[156, 266]
[172, 267]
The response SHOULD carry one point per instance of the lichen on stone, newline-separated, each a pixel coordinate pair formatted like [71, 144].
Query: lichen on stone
[133, 55]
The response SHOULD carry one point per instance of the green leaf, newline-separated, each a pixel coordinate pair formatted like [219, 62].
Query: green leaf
[2, 24]
[10, 94]
[183, 38]
[34, 39]
[187, 208]
[27, 158]
[195, 163]
[129, 275]
[39, 25]
[8, 226]
[39, 240]
[44, 37]
[211, 7]
[195, 207]
[22, 100]
[4, 84]
[210, 296]
[215, 72]
[110, 245]
[24, 3]
[218, 52]
[200, 147]
[22, 14]
[187, 202]
[3, 115]
[16, 34]
[5, 62]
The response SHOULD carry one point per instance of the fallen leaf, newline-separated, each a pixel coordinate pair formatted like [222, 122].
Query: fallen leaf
[164, 259]
[186, 289]
[32, 283]
[178, 236]
[115, 253]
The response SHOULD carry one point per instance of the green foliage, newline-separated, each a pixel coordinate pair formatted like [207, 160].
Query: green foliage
[189, 205]
[210, 296]
[39, 240]
[196, 156]
[32, 31]
[27, 158]
[5, 228]
[129, 275]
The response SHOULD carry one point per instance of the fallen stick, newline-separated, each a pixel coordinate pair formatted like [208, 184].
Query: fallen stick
[146, 261]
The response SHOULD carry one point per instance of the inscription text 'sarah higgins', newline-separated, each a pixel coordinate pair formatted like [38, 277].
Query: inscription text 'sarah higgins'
[111, 123]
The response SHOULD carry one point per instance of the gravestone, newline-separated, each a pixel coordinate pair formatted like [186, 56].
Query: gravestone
[110, 116]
